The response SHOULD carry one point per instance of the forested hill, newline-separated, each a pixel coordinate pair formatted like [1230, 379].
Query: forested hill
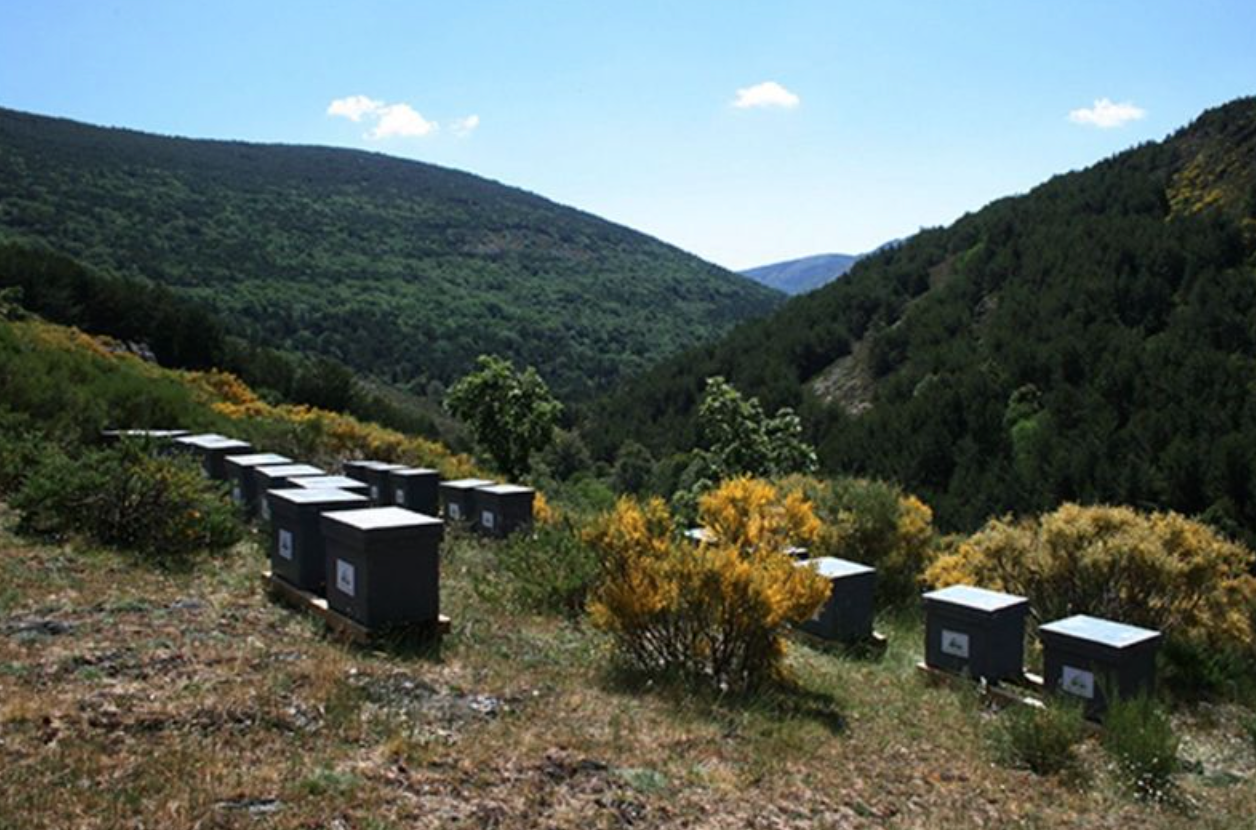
[400, 269]
[1094, 339]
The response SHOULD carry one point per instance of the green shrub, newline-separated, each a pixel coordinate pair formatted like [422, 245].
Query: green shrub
[1139, 737]
[1043, 740]
[551, 569]
[873, 522]
[20, 450]
[161, 507]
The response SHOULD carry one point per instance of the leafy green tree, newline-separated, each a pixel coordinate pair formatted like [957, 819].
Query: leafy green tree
[566, 456]
[633, 468]
[740, 439]
[511, 413]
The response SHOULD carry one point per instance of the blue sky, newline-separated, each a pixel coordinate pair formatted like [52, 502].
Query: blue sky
[861, 122]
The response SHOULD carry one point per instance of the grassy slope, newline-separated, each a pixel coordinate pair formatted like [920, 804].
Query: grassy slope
[190, 700]
[401, 269]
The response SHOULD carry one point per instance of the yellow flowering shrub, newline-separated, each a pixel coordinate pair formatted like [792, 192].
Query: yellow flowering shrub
[716, 611]
[320, 435]
[1159, 570]
[544, 513]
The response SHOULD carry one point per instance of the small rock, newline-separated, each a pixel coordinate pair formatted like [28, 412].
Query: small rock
[187, 604]
[252, 806]
[39, 626]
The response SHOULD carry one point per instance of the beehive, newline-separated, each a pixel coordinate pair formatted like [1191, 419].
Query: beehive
[416, 489]
[846, 615]
[325, 482]
[1090, 658]
[277, 477]
[211, 449]
[977, 632]
[160, 437]
[375, 475]
[501, 509]
[297, 552]
[383, 565]
[239, 470]
[457, 498]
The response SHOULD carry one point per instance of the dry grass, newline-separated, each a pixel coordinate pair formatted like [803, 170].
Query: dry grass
[134, 698]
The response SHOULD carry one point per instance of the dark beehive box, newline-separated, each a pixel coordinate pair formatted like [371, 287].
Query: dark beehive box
[193, 445]
[357, 468]
[416, 489]
[240, 474]
[159, 438]
[352, 485]
[976, 632]
[297, 553]
[847, 614]
[278, 477]
[212, 450]
[501, 509]
[1088, 657]
[383, 565]
[457, 498]
[375, 475]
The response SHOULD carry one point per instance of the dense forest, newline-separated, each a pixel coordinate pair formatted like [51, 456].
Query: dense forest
[1093, 340]
[175, 332]
[402, 270]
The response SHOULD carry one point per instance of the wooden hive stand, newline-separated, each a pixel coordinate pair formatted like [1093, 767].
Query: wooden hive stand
[343, 627]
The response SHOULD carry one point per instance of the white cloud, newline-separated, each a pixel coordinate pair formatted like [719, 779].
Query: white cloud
[354, 107]
[391, 120]
[1105, 115]
[463, 127]
[401, 120]
[766, 94]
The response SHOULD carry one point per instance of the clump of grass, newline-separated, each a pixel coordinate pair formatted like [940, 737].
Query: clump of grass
[1041, 739]
[1140, 739]
[327, 781]
[1249, 729]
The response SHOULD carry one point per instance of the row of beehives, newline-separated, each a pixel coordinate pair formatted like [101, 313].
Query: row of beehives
[368, 540]
[981, 634]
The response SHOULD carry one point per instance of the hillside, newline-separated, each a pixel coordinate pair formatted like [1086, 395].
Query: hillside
[798, 276]
[402, 270]
[1094, 339]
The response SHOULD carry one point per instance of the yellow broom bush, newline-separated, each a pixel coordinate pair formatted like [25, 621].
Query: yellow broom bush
[713, 612]
[1159, 570]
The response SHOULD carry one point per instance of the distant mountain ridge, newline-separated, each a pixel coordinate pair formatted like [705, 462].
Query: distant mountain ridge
[798, 276]
[403, 270]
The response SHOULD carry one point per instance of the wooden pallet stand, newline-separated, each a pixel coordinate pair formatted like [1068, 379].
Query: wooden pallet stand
[1009, 693]
[342, 626]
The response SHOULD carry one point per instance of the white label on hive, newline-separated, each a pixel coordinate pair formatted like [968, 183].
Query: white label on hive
[400, 496]
[237, 495]
[285, 543]
[1077, 682]
[374, 492]
[265, 508]
[955, 643]
[487, 519]
[454, 511]
[344, 577]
